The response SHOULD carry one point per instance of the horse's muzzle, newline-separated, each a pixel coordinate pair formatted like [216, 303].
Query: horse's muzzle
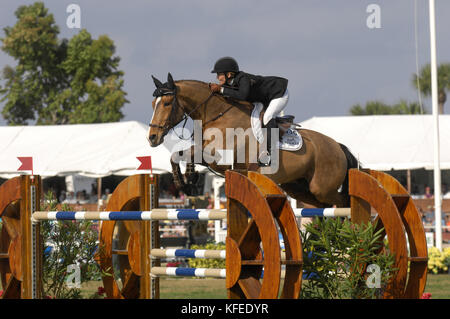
[153, 139]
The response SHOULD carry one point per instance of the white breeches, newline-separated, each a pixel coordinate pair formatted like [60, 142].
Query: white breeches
[275, 107]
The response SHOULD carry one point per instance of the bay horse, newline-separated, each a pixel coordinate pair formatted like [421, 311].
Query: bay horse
[313, 174]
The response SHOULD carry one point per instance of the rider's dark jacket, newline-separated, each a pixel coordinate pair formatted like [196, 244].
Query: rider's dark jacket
[256, 88]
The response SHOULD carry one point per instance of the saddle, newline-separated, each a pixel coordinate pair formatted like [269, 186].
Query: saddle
[290, 138]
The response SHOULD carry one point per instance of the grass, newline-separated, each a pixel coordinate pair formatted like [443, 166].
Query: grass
[177, 288]
[191, 288]
[438, 286]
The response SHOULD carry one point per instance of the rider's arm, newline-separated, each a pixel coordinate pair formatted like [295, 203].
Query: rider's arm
[241, 92]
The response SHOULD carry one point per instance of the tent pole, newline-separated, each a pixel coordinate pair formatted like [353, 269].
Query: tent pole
[99, 193]
[434, 95]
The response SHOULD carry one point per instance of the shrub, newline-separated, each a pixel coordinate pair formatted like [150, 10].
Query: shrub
[67, 243]
[336, 253]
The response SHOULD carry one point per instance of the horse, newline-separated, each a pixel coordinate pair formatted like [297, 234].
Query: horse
[316, 174]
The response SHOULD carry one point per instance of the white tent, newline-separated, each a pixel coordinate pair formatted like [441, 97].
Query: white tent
[380, 142]
[385, 142]
[91, 150]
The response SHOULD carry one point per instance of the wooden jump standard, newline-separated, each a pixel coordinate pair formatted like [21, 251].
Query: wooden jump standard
[254, 193]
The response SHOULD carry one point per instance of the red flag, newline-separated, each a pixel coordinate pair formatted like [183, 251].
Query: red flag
[27, 164]
[146, 162]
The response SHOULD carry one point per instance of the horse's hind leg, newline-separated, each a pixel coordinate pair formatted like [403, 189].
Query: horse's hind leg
[336, 198]
[329, 195]
[299, 190]
[326, 181]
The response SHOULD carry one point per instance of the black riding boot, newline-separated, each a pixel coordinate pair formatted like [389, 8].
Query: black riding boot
[265, 156]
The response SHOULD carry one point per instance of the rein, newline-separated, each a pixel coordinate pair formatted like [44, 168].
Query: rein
[218, 116]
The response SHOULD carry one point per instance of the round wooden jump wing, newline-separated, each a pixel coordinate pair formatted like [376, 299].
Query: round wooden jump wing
[292, 241]
[126, 197]
[366, 187]
[418, 253]
[10, 236]
[247, 236]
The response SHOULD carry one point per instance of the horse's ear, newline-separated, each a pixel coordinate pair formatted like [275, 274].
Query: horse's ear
[157, 82]
[170, 81]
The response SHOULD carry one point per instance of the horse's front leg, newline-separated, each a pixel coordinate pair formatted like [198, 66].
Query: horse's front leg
[176, 172]
[191, 176]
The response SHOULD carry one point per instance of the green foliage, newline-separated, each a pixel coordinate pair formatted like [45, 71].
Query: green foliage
[381, 108]
[207, 263]
[422, 82]
[72, 242]
[335, 255]
[58, 81]
[425, 78]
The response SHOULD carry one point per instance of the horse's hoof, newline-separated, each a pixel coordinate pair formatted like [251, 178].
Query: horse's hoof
[193, 178]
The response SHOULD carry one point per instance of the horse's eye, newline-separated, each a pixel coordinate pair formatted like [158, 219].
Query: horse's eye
[167, 103]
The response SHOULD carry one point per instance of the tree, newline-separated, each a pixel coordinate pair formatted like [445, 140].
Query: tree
[380, 108]
[423, 82]
[58, 81]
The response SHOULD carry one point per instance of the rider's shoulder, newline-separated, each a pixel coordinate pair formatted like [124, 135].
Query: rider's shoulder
[240, 75]
[246, 75]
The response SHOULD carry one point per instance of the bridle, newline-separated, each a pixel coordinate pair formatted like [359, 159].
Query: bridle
[168, 125]
[175, 103]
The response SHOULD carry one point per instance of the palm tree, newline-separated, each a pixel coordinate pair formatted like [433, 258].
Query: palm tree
[423, 82]
[380, 108]
[371, 108]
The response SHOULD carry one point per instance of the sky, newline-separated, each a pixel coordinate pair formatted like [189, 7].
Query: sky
[326, 50]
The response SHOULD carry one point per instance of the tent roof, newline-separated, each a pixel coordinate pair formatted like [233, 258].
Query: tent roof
[92, 150]
[381, 142]
[386, 142]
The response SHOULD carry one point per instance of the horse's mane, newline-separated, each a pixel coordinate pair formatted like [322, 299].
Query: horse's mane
[197, 81]
[241, 104]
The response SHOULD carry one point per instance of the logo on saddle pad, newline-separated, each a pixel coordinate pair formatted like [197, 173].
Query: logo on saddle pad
[291, 140]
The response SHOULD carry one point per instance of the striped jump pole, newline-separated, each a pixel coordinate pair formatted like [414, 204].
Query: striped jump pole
[202, 272]
[174, 214]
[194, 253]
[155, 214]
[188, 253]
[322, 212]
[189, 272]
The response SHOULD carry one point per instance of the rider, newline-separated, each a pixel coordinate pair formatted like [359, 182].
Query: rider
[271, 91]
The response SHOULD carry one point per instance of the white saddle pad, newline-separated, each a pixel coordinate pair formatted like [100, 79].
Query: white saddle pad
[291, 140]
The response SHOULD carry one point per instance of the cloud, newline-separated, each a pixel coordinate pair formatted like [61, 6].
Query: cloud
[332, 60]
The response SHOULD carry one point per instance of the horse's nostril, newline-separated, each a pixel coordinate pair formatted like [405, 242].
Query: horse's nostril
[152, 137]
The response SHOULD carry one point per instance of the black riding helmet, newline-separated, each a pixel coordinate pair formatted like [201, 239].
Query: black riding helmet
[226, 64]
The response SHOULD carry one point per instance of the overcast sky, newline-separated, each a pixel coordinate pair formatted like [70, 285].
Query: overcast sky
[325, 49]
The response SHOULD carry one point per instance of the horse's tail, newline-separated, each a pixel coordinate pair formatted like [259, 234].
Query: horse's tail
[352, 162]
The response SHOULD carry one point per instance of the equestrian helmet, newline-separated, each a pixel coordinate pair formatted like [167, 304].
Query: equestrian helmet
[226, 64]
